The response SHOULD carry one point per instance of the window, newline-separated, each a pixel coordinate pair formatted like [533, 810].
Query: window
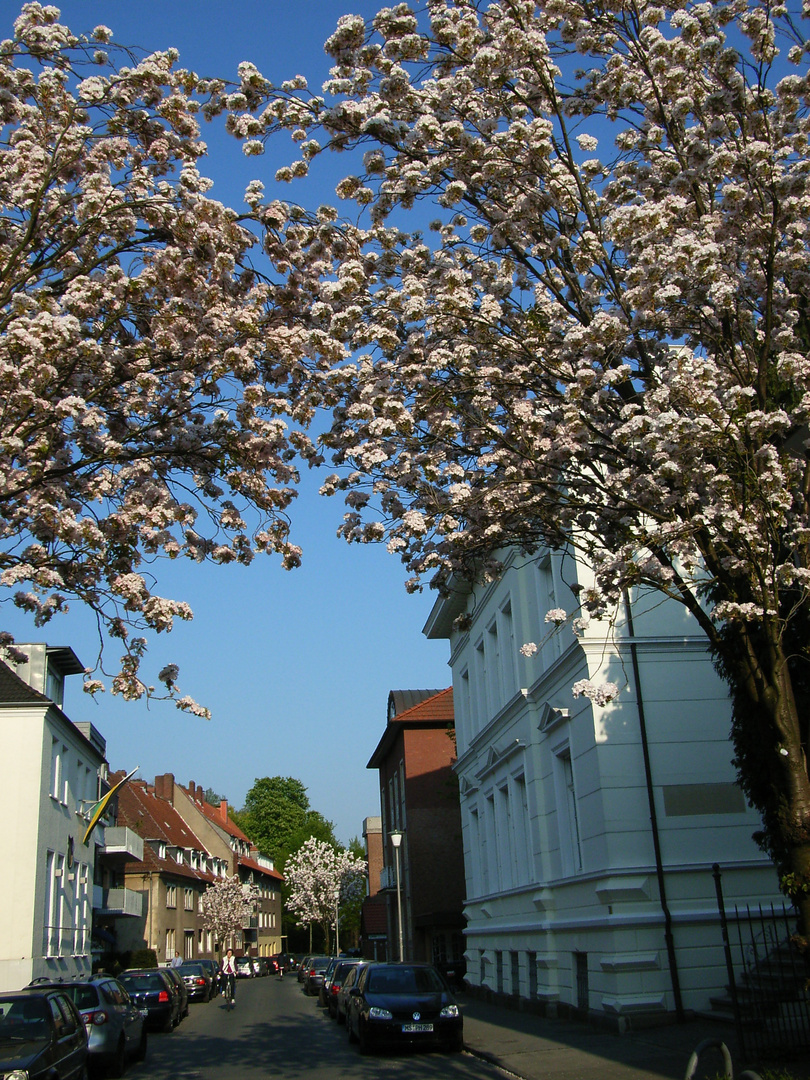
[581, 974]
[515, 974]
[567, 812]
[188, 899]
[546, 601]
[532, 961]
[464, 720]
[171, 946]
[508, 651]
[56, 768]
[520, 818]
[188, 944]
[493, 663]
[505, 847]
[171, 896]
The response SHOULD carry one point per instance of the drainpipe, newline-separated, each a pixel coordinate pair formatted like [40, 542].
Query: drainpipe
[659, 864]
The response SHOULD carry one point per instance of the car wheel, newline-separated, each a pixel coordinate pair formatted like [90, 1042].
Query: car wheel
[140, 1053]
[119, 1062]
[349, 1029]
[456, 1044]
[170, 1024]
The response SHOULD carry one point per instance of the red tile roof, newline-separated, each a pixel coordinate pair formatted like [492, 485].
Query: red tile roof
[435, 711]
[155, 819]
[251, 864]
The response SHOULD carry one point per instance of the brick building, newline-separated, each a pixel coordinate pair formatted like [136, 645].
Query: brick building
[419, 798]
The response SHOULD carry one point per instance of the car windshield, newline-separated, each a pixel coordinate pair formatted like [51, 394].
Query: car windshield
[143, 982]
[403, 980]
[190, 969]
[23, 1019]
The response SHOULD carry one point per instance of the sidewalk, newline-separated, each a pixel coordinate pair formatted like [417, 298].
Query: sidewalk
[534, 1048]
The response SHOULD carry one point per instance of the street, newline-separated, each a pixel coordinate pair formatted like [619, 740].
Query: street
[277, 1031]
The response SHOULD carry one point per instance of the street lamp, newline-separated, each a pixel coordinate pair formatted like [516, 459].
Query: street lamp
[396, 840]
[337, 922]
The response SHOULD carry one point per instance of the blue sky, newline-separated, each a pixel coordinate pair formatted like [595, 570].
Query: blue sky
[296, 667]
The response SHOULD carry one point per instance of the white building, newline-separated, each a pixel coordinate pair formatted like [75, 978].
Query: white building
[48, 775]
[588, 863]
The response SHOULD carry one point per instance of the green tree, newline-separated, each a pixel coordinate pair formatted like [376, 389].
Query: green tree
[278, 818]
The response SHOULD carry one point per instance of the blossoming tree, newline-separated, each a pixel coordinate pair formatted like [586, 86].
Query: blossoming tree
[320, 878]
[605, 342]
[227, 907]
[138, 345]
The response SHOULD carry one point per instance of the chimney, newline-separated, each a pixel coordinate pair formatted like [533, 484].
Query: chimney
[164, 787]
[192, 790]
[223, 811]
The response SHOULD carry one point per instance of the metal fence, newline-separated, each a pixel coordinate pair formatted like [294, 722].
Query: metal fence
[769, 978]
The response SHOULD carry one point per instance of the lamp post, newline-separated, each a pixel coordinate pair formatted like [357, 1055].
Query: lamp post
[396, 840]
[337, 922]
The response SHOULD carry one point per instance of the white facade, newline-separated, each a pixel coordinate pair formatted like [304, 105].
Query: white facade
[48, 768]
[563, 900]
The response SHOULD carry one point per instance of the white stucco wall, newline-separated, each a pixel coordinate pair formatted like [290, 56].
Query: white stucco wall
[591, 888]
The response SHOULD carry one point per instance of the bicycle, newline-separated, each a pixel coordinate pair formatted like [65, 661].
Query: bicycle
[230, 998]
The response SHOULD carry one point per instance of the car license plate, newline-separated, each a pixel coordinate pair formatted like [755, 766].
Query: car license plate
[409, 1029]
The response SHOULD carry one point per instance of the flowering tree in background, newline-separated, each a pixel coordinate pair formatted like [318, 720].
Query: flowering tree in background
[227, 907]
[137, 343]
[604, 343]
[320, 878]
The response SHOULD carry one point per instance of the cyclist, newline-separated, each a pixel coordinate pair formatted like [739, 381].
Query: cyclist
[229, 977]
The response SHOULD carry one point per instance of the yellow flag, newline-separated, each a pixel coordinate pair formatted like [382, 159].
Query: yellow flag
[101, 805]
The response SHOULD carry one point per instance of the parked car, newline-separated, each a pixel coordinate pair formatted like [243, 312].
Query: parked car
[327, 975]
[303, 968]
[197, 979]
[397, 1004]
[42, 1035]
[342, 996]
[153, 990]
[212, 967]
[316, 968]
[116, 1026]
[180, 986]
[244, 967]
[333, 983]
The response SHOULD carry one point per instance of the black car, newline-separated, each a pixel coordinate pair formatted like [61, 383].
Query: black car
[179, 986]
[323, 989]
[197, 979]
[212, 967]
[316, 969]
[116, 1026]
[153, 990]
[403, 1004]
[334, 981]
[42, 1035]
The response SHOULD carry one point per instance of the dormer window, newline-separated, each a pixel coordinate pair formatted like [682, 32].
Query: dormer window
[161, 851]
[179, 856]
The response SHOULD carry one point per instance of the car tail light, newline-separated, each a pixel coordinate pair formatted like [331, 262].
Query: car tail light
[199, 982]
[98, 1017]
[163, 996]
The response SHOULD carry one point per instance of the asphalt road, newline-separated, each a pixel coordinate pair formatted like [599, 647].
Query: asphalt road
[276, 1031]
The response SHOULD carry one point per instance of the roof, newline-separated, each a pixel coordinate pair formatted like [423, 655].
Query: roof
[251, 864]
[433, 711]
[400, 701]
[153, 818]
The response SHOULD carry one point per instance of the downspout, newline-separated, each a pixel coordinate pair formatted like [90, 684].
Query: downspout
[659, 864]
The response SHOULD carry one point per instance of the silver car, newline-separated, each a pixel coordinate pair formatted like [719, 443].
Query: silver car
[115, 1026]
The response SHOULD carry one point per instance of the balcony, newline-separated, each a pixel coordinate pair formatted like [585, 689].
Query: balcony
[117, 902]
[121, 842]
[388, 878]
